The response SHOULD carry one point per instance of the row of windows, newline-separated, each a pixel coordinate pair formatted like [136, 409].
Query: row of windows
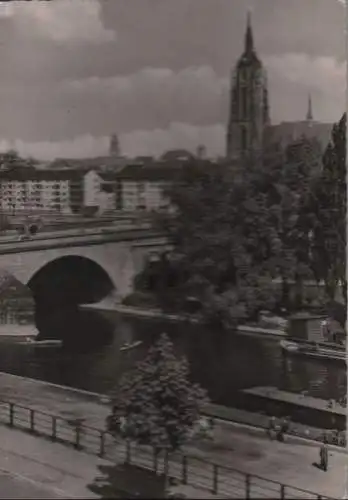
[46, 185]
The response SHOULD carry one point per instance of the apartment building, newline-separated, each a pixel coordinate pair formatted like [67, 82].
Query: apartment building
[62, 191]
[143, 188]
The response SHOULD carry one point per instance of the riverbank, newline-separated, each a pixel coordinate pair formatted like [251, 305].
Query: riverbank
[92, 409]
[236, 449]
[251, 467]
[140, 312]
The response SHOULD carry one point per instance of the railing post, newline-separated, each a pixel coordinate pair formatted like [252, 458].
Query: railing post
[155, 460]
[32, 421]
[102, 444]
[184, 469]
[247, 486]
[77, 437]
[215, 479]
[11, 415]
[54, 429]
[282, 491]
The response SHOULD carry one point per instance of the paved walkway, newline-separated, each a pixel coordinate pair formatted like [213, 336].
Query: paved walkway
[60, 471]
[51, 469]
[13, 486]
[245, 449]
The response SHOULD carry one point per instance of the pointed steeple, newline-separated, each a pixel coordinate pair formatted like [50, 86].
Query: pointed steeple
[249, 39]
[309, 116]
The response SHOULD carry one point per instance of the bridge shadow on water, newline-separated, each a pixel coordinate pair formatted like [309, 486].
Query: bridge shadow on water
[58, 289]
[79, 330]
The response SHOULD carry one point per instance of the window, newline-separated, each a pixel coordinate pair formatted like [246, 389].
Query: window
[244, 103]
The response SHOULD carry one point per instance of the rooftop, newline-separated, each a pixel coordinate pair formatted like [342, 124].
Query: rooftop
[41, 175]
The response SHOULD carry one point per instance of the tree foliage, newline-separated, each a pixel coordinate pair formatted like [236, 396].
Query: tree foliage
[156, 403]
[239, 229]
[329, 209]
[236, 230]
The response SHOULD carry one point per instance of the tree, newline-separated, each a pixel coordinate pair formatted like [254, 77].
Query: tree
[236, 230]
[156, 403]
[224, 237]
[329, 207]
[301, 163]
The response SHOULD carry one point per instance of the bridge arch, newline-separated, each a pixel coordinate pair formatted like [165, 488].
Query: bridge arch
[71, 279]
[59, 287]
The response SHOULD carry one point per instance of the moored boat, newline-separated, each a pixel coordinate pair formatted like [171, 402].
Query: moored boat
[41, 343]
[329, 352]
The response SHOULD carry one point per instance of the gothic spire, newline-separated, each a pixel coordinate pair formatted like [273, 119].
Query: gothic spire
[309, 116]
[249, 40]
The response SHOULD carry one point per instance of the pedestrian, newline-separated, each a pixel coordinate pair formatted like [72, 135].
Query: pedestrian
[284, 428]
[324, 454]
[271, 429]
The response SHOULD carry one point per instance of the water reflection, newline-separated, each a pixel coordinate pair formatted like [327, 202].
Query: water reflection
[223, 362]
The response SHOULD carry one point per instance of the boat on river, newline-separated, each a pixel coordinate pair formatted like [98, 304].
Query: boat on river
[314, 350]
[41, 343]
[127, 346]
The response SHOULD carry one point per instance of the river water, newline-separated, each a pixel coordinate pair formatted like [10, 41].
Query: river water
[222, 362]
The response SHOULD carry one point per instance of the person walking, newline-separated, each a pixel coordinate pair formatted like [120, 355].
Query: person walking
[284, 428]
[271, 429]
[324, 454]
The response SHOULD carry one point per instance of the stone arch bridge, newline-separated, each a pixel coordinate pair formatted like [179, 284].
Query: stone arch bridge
[120, 256]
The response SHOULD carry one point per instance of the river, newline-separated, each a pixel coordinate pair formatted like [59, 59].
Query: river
[223, 363]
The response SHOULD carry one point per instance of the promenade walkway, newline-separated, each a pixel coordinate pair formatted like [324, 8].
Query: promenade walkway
[90, 409]
[63, 472]
[233, 446]
[54, 469]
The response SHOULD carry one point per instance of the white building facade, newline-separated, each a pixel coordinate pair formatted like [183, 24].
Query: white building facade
[144, 188]
[62, 191]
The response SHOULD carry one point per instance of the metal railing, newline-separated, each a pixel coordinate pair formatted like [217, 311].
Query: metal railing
[218, 479]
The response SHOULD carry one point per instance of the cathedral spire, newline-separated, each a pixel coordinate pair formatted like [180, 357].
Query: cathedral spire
[249, 39]
[309, 116]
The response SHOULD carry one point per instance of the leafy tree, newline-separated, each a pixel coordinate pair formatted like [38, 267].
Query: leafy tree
[238, 229]
[224, 238]
[329, 206]
[301, 163]
[156, 403]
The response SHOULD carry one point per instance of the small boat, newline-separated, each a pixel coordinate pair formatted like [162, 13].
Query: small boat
[314, 350]
[47, 343]
[41, 343]
[129, 345]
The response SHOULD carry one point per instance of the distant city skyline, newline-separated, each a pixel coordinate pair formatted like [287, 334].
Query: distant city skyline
[157, 73]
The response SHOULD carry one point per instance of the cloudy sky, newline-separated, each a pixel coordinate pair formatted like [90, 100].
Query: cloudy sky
[156, 71]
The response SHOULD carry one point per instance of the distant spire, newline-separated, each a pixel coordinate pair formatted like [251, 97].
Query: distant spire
[249, 41]
[309, 116]
[114, 147]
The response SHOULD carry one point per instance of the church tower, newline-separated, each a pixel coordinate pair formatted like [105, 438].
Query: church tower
[249, 110]
[114, 146]
[309, 116]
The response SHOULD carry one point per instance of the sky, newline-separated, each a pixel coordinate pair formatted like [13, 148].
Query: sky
[157, 72]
